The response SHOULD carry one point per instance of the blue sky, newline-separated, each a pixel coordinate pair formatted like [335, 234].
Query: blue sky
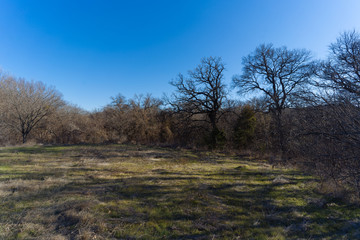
[92, 50]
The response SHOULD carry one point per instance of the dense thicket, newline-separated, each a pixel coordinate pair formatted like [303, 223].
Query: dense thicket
[305, 112]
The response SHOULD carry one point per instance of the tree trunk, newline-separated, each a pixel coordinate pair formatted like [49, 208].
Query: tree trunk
[280, 133]
[214, 130]
[24, 136]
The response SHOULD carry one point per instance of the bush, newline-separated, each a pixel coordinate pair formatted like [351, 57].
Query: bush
[245, 128]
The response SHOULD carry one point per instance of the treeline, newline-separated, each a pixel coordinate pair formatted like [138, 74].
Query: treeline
[305, 112]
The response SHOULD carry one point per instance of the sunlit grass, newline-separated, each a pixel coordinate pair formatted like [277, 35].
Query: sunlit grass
[132, 192]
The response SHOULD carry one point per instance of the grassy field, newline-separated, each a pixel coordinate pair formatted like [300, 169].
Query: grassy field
[131, 192]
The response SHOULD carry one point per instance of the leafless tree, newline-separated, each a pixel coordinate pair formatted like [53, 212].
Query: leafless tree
[280, 75]
[71, 125]
[331, 127]
[202, 93]
[25, 104]
[342, 70]
[134, 120]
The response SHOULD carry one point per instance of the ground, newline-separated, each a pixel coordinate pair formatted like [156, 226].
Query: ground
[132, 192]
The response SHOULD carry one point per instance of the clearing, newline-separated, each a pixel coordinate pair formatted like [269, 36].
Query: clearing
[132, 192]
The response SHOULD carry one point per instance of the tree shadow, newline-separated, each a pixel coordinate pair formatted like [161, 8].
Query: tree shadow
[165, 204]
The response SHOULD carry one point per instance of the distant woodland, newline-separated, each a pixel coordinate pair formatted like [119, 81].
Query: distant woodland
[305, 112]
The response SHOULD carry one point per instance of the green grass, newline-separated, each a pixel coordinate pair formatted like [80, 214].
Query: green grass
[131, 192]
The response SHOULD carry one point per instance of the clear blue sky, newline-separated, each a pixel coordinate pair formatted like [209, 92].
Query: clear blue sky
[92, 50]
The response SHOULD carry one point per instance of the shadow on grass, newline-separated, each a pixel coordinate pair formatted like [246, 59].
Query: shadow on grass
[167, 204]
[202, 211]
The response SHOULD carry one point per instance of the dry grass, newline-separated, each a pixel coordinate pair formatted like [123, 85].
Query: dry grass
[130, 192]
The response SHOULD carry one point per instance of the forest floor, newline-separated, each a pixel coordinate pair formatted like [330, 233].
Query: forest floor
[132, 192]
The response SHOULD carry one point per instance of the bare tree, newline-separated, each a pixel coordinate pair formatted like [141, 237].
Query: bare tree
[202, 93]
[134, 120]
[332, 128]
[25, 104]
[279, 74]
[342, 70]
[71, 125]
